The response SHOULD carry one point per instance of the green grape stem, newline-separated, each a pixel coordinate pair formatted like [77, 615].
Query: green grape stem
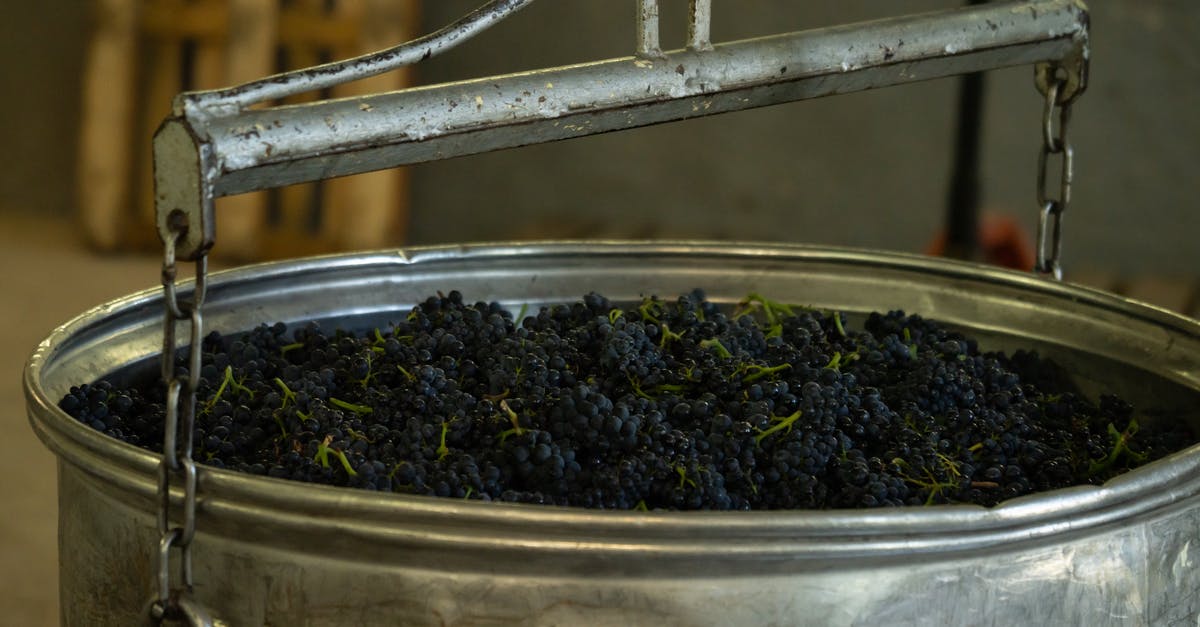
[637, 388]
[840, 360]
[667, 335]
[288, 394]
[762, 371]
[837, 323]
[683, 478]
[780, 424]
[912, 348]
[512, 417]
[366, 380]
[358, 435]
[442, 449]
[1120, 440]
[773, 310]
[227, 382]
[323, 451]
[932, 484]
[650, 309]
[497, 397]
[345, 463]
[358, 409]
[716, 345]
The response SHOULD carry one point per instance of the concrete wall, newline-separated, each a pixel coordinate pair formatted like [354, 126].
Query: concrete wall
[867, 169]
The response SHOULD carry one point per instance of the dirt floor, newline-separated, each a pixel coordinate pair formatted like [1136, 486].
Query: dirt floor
[48, 277]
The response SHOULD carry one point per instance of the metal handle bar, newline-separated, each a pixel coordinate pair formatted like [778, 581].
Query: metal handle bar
[232, 100]
[202, 153]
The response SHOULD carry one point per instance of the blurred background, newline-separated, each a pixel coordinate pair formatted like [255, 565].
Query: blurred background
[86, 82]
[868, 169]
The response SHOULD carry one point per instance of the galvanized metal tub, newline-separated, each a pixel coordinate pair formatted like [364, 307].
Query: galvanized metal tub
[281, 553]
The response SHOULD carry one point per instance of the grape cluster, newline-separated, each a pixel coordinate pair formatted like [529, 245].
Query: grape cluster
[661, 404]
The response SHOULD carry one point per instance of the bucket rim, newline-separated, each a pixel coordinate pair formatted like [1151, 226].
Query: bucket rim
[231, 499]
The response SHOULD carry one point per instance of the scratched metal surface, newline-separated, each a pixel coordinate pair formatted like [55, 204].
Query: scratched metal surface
[275, 552]
[215, 146]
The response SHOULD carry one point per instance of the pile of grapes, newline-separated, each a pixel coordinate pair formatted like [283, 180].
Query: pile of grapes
[659, 405]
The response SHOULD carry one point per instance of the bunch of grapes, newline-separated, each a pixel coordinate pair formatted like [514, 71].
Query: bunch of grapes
[661, 404]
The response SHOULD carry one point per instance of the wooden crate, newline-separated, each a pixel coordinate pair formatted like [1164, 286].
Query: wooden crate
[143, 52]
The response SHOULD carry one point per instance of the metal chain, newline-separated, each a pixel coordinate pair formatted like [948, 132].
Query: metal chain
[178, 435]
[1049, 233]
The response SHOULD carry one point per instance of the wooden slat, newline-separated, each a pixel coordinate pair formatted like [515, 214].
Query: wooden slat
[370, 210]
[162, 59]
[180, 19]
[317, 29]
[233, 41]
[249, 54]
[105, 155]
[208, 65]
[292, 235]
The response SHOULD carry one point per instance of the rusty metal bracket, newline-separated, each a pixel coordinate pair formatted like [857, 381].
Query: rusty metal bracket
[1071, 71]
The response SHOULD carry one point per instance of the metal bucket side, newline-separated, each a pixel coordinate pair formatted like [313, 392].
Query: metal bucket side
[286, 553]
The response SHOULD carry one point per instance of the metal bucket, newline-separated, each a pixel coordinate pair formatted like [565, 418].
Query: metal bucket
[280, 553]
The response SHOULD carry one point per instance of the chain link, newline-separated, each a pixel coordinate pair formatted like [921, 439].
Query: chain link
[1049, 234]
[178, 433]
